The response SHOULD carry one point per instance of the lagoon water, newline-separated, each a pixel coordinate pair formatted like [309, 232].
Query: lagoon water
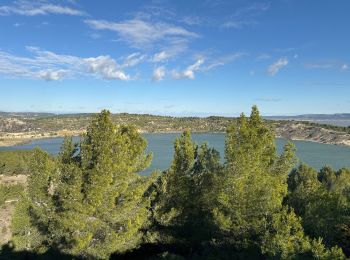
[315, 154]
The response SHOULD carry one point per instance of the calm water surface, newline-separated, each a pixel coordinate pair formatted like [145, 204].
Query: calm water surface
[315, 154]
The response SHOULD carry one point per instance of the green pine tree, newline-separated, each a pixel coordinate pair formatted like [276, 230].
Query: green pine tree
[254, 182]
[91, 201]
[184, 193]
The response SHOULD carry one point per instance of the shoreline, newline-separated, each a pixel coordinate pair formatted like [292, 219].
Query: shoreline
[16, 139]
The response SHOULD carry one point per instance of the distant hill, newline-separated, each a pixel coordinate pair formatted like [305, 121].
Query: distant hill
[24, 114]
[17, 128]
[332, 119]
[344, 116]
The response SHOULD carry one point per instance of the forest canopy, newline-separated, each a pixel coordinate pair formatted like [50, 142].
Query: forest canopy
[90, 202]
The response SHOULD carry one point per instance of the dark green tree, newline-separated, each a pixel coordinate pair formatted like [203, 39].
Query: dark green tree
[91, 202]
[320, 200]
[254, 183]
[184, 194]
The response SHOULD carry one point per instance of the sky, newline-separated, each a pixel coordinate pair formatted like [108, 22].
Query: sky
[179, 58]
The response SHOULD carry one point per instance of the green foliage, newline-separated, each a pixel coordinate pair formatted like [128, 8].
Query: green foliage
[321, 201]
[92, 202]
[285, 238]
[9, 192]
[254, 182]
[175, 186]
[41, 188]
[14, 162]
[182, 208]
[319, 251]
[25, 235]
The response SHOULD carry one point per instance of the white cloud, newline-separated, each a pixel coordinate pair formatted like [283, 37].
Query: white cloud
[50, 66]
[176, 47]
[160, 56]
[133, 59]
[51, 75]
[142, 34]
[33, 8]
[344, 67]
[275, 67]
[106, 67]
[188, 73]
[158, 74]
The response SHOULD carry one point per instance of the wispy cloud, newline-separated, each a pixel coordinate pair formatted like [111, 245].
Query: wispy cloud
[51, 75]
[319, 65]
[192, 20]
[188, 73]
[33, 8]
[133, 60]
[159, 73]
[245, 16]
[263, 56]
[274, 68]
[161, 56]
[141, 34]
[203, 64]
[330, 64]
[170, 52]
[223, 60]
[238, 24]
[49, 66]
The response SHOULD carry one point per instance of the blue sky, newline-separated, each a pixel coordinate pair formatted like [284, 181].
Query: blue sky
[204, 57]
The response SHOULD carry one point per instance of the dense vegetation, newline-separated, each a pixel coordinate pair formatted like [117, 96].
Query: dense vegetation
[89, 202]
[14, 162]
[145, 122]
[50, 123]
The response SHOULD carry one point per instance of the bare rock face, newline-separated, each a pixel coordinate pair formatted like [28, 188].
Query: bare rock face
[300, 131]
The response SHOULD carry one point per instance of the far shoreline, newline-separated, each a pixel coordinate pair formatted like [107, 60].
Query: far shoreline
[18, 141]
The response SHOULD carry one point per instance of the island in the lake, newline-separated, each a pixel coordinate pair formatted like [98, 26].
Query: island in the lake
[19, 128]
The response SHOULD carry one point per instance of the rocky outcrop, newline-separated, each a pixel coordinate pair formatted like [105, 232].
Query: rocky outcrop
[300, 131]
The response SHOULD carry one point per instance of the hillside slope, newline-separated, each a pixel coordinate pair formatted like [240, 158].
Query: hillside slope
[16, 129]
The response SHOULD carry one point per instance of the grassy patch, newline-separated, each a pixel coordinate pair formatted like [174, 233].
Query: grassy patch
[14, 162]
[10, 192]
